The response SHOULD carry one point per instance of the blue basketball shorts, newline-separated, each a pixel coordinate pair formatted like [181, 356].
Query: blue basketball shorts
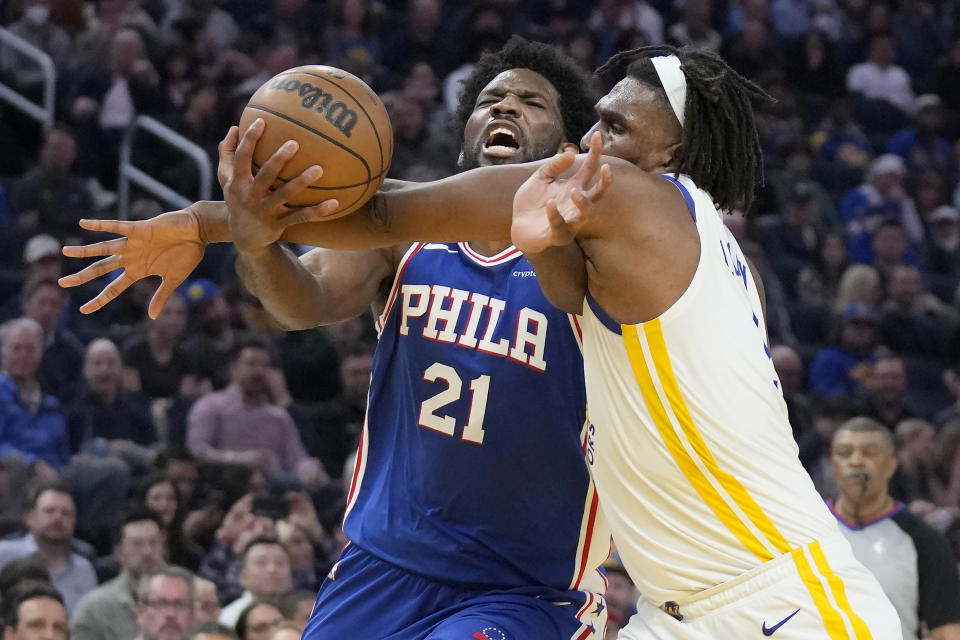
[367, 598]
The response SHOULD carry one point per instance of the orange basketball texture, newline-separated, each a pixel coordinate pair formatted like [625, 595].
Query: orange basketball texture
[339, 123]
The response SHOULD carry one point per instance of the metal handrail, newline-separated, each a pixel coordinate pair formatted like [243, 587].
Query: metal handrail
[130, 173]
[43, 114]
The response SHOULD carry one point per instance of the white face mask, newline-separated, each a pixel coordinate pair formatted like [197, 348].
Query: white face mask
[37, 14]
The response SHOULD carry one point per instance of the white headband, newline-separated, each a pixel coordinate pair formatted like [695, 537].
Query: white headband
[673, 81]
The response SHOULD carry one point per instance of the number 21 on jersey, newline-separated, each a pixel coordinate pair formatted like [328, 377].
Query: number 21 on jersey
[479, 389]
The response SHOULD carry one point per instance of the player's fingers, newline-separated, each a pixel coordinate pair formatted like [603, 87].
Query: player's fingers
[122, 227]
[163, 293]
[95, 270]
[553, 215]
[111, 291]
[597, 190]
[556, 165]
[105, 248]
[226, 150]
[314, 213]
[589, 166]
[266, 176]
[294, 187]
[243, 157]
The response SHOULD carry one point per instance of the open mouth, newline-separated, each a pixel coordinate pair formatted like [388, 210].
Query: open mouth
[501, 142]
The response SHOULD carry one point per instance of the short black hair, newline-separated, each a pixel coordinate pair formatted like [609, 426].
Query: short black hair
[256, 542]
[29, 568]
[865, 424]
[137, 513]
[27, 590]
[169, 454]
[721, 148]
[36, 490]
[253, 341]
[241, 626]
[573, 85]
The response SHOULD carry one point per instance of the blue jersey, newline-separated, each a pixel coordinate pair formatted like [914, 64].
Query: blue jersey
[471, 463]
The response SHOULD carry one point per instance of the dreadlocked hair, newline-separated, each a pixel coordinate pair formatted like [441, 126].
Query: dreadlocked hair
[573, 85]
[720, 144]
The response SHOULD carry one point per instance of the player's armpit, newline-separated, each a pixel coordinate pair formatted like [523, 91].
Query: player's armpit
[350, 281]
[946, 632]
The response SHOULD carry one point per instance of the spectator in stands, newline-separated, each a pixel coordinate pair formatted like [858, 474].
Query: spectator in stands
[158, 494]
[51, 196]
[333, 434]
[912, 561]
[798, 163]
[621, 593]
[845, 368]
[213, 29]
[35, 611]
[109, 611]
[23, 569]
[36, 28]
[880, 198]
[155, 359]
[819, 279]
[792, 240]
[32, 426]
[206, 609]
[880, 78]
[210, 630]
[105, 417]
[912, 483]
[351, 38]
[165, 601]
[107, 99]
[891, 248]
[213, 339]
[915, 320]
[425, 31]
[305, 541]
[885, 400]
[814, 70]
[297, 605]
[43, 301]
[946, 478]
[941, 260]
[240, 527]
[841, 142]
[694, 27]
[241, 425]
[922, 145]
[264, 574]
[859, 284]
[952, 383]
[789, 368]
[257, 619]
[50, 519]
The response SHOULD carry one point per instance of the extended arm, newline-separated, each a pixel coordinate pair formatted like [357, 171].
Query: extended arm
[321, 287]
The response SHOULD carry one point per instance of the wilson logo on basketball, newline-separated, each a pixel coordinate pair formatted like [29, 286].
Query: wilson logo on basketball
[342, 117]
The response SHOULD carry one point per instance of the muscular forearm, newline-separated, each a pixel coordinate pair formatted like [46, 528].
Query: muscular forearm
[562, 275]
[289, 293]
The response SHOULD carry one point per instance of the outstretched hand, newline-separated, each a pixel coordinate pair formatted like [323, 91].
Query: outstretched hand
[259, 214]
[168, 246]
[550, 211]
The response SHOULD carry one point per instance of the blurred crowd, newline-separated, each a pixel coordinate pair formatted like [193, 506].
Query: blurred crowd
[212, 440]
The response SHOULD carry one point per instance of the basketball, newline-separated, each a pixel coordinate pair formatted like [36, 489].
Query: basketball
[339, 123]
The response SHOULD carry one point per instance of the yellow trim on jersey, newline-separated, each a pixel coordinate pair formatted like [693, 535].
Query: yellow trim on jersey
[831, 618]
[661, 359]
[860, 629]
[653, 333]
[682, 457]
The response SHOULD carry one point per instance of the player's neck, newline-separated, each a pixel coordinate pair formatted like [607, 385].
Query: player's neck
[488, 248]
[865, 510]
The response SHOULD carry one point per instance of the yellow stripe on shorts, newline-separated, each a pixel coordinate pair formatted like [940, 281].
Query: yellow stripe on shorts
[831, 618]
[860, 629]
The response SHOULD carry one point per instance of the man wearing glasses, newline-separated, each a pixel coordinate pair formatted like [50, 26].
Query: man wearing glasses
[165, 604]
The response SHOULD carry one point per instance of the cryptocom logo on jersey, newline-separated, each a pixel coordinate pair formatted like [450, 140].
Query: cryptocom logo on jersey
[489, 633]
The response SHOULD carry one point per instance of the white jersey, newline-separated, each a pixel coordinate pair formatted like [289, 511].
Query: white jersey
[693, 455]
